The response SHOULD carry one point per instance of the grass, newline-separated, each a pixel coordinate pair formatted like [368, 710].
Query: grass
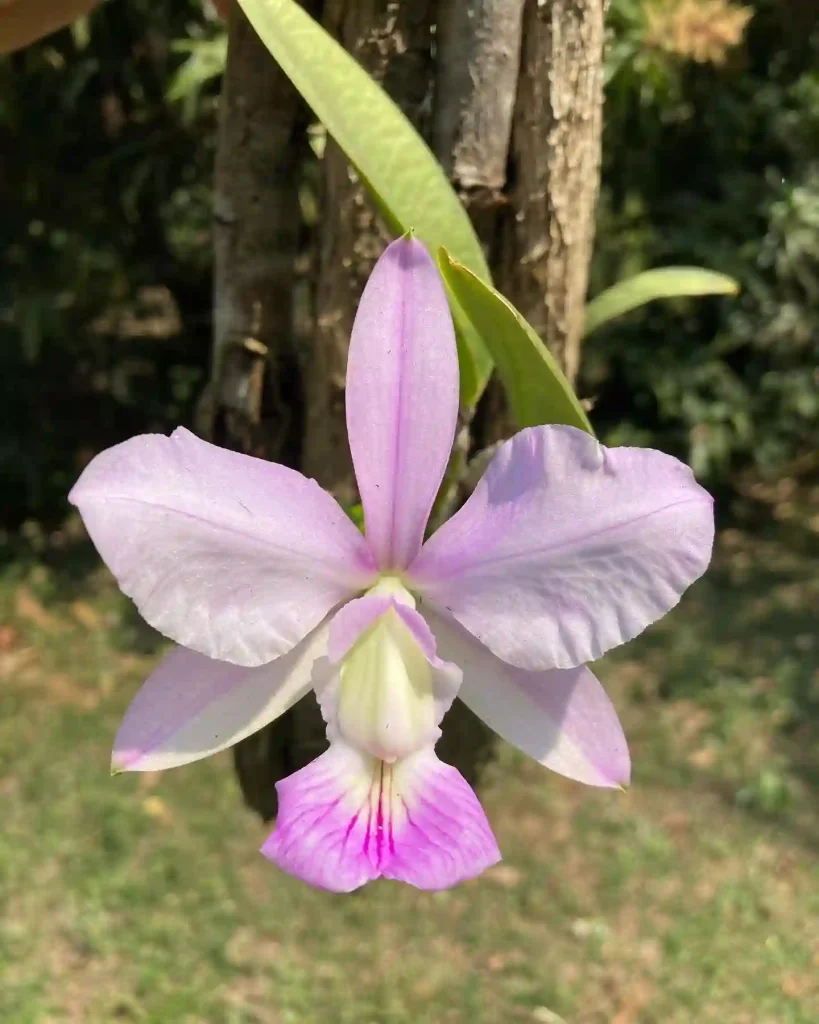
[693, 896]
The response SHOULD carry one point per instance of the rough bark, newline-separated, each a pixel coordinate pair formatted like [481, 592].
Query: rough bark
[253, 403]
[393, 42]
[478, 67]
[555, 162]
[478, 59]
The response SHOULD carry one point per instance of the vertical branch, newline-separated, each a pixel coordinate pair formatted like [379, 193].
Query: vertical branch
[478, 46]
[252, 403]
[556, 163]
[478, 60]
[249, 404]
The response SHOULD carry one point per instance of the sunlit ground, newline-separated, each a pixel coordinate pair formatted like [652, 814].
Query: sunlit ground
[694, 896]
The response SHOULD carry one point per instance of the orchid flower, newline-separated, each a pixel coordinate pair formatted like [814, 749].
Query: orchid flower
[564, 550]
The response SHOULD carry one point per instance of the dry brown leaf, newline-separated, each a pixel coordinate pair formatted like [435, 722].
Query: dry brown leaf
[62, 689]
[30, 610]
[14, 661]
[23, 23]
[8, 638]
[796, 986]
[156, 808]
[703, 758]
[147, 780]
[86, 615]
[504, 875]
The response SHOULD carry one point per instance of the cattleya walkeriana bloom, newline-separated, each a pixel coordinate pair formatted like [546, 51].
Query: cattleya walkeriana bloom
[564, 550]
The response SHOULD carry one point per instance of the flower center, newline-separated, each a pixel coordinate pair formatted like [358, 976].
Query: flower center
[386, 704]
[392, 586]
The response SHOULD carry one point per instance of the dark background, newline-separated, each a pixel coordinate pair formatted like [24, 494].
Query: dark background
[711, 157]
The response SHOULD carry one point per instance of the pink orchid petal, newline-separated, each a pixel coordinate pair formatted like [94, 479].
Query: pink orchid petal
[353, 619]
[347, 819]
[567, 549]
[228, 555]
[562, 717]
[402, 399]
[192, 706]
[356, 617]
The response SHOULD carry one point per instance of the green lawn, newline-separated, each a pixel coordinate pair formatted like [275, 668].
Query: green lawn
[694, 896]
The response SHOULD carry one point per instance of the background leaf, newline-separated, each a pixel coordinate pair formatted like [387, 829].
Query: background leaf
[536, 388]
[661, 283]
[408, 185]
[206, 61]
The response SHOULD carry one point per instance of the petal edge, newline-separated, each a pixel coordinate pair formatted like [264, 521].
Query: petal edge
[567, 549]
[347, 819]
[228, 555]
[561, 718]
[191, 706]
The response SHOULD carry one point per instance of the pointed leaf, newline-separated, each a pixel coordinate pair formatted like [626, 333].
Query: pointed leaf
[661, 283]
[407, 182]
[537, 390]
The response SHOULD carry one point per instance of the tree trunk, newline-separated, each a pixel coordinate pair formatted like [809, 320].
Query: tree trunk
[250, 403]
[555, 171]
[254, 400]
[508, 92]
[393, 42]
[478, 62]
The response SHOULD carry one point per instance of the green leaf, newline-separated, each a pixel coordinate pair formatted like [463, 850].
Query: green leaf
[206, 61]
[538, 391]
[407, 182]
[356, 513]
[662, 283]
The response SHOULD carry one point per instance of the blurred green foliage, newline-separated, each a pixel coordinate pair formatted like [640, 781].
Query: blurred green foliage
[714, 163]
[107, 136]
[105, 243]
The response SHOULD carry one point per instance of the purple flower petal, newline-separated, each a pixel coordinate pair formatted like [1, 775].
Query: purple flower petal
[402, 399]
[567, 549]
[348, 818]
[228, 555]
[561, 718]
[356, 617]
[353, 620]
[192, 706]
